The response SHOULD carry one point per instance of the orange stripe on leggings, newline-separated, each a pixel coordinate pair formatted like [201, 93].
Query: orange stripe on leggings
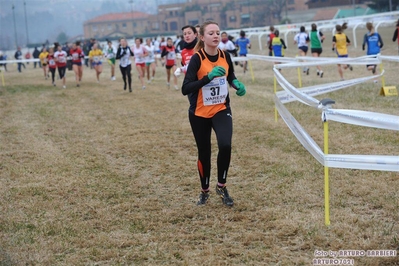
[200, 169]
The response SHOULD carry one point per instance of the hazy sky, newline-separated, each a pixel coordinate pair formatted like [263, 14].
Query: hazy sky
[45, 19]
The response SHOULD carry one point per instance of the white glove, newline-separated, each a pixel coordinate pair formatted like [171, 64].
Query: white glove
[178, 72]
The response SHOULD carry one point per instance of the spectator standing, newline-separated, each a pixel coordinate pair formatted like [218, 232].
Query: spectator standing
[35, 55]
[396, 34]
[18, 56]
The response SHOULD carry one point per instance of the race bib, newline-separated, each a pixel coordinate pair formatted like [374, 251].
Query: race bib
[111, 55]
[125, 60]
[215, 92]
[75, 56]
[171, 56]
[52, 62]
[61, 59]
[96, 59]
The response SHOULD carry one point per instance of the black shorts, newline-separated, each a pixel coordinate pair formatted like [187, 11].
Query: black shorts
[316, 51]
[77, 63]
[303, 48]
[61, 71]
[169, 67]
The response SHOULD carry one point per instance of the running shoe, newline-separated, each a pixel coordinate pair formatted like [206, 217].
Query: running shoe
[54, 84]
[307, 71]
[176, 88]
[224, 195]
[168, 85]
[321, 74]
[374, 69]
[64, 87]
[318, 73]
[130, 89]
[350, 67]
[124, 87]
[143, 88]
[77, 85]
[203, 197]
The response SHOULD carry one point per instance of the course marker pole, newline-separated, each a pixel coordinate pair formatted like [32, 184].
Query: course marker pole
[326, 179]
[250, 69]
[275, 92]
[326, 104]
[2, 76]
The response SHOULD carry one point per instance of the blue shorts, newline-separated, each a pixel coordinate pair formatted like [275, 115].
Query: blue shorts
[342, 56]
[303, 48]
[96, 63]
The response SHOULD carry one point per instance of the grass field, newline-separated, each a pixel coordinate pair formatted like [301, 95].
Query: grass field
[99, 176]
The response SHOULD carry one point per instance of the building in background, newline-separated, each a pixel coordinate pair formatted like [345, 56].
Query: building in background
[116, 25]
[229, 14]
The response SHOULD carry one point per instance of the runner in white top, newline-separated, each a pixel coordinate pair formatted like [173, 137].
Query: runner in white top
[227, 45]
[139, 57]
[150, 60]
[123, 54]
[110, 54]
[302, 40]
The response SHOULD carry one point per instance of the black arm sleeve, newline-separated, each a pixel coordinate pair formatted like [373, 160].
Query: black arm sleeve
[232, 51]
[191, 83]
[120, 53]
[283, 43]
[164, 52]
[395, 35]
[230, 76]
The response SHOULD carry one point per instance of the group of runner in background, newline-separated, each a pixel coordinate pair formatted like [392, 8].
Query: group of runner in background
[145, 54]
[340, 42]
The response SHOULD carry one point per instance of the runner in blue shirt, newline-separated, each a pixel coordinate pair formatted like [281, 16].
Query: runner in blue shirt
[374, 44]
[243, 44]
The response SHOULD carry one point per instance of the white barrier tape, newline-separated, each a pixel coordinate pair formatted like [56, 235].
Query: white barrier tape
[389, 58]
[302, 97]
[272, 58]
[363, 118]
[299, 132]
[332, 61]
[315, 90]
[364, 162]
[29, 60]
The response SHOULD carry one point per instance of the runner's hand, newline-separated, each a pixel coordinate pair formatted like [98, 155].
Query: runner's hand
[239, 87]
[217, 71]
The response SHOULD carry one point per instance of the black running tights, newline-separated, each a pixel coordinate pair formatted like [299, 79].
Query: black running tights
[126, 71]
[222, 124]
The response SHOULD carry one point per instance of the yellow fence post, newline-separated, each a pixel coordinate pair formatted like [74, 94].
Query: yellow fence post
[326, 103]
[382, 77]
[275, 92]
[2, 77]
[326, 178]
[250, 69]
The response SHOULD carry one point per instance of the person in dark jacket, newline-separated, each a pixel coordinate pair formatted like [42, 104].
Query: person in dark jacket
[35, 55]
[18, 56]
[396, 34]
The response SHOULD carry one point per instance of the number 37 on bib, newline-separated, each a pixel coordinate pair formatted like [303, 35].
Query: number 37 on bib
[215, 92]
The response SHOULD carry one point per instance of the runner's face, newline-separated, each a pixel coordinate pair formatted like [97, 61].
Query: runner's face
[189, 35]
[137, 41]
[123, 42]
[211, 36]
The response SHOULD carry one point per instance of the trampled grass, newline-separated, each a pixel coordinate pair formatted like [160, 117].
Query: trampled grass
[99, 176]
